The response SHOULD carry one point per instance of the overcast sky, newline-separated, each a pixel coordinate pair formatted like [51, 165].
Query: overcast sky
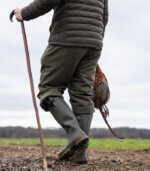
[125, 60]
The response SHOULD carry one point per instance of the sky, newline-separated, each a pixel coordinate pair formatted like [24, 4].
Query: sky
[125, 61]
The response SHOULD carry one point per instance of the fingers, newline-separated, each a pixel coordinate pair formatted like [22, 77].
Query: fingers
[18, 15]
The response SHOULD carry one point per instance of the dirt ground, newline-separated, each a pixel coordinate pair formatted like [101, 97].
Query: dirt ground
[15, 158]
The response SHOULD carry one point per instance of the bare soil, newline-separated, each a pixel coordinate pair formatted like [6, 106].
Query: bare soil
[19, 157]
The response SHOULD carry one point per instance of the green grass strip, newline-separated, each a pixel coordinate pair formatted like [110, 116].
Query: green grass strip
[127, 144]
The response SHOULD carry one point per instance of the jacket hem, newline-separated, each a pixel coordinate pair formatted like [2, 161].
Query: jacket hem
[75, 45]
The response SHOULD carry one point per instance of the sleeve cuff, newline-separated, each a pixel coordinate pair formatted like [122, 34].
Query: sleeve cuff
[24, 14]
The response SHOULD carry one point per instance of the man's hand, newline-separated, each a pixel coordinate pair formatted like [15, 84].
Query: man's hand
[18, 15]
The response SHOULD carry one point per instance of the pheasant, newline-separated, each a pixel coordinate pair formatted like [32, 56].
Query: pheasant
[101, 95]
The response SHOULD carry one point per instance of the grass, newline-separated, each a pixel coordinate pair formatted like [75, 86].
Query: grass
[126, 144]
[134, 144]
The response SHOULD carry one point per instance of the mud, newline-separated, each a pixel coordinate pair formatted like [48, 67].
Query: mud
[15, 158]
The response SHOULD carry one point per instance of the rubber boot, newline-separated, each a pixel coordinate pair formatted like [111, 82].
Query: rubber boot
[64, 116]
[79, 156]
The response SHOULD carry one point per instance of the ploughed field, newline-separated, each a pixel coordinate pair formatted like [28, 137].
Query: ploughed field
[103, 155]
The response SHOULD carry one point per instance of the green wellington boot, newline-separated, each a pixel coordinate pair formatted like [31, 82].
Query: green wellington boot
[79, 156]
[64, 116]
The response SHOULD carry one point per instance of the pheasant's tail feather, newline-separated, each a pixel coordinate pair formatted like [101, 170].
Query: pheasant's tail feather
[111, 130]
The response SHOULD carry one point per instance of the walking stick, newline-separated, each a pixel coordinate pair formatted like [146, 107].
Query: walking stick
[32, 90]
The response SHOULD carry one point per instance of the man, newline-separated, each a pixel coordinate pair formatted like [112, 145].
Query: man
[69, 61]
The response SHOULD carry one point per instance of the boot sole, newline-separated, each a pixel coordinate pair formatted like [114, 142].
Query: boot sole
[80, 162]
[72, 147]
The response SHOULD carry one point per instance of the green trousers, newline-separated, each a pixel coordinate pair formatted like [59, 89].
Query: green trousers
[69, 67]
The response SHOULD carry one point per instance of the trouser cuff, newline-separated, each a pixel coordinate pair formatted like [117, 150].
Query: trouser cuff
[43, 97]
[83, 110]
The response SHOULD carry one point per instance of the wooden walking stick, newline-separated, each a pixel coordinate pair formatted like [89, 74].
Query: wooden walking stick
[32, 90]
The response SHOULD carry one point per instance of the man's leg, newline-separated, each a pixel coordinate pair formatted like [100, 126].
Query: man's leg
[64, 116]
[81, 98]
[84, 121]
[58, 66]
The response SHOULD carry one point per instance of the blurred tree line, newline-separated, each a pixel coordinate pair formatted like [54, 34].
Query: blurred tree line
[21, 132]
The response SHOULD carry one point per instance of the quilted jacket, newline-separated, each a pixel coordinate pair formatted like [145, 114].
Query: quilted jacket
[74, 23]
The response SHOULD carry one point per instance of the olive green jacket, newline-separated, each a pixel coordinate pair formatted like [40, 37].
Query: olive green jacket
[75, 22]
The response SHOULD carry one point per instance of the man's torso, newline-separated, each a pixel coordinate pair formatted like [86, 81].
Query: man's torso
[78, 23]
